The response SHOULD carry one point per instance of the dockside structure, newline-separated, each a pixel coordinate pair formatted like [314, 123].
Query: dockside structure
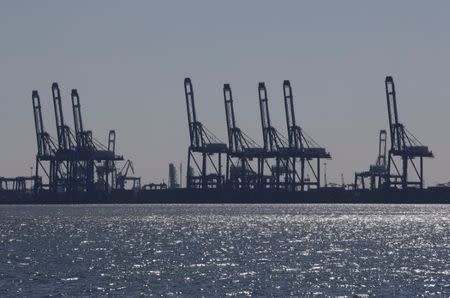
[275, 165]
[75, 161]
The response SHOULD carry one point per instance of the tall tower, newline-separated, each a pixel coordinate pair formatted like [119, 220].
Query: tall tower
[173, 176]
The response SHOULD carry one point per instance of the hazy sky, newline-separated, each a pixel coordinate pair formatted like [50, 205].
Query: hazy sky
[128, 60]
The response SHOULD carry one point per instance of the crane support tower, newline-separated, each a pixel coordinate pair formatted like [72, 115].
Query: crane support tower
[303, 152]
[405, 147]
[377, 172]
[205, 173]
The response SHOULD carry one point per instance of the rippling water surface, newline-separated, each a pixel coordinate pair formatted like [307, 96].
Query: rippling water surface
[225, 250]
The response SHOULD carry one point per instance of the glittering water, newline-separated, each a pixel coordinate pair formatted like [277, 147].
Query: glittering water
[225, 250]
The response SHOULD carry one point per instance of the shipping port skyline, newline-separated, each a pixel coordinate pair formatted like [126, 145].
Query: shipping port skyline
[339, 93]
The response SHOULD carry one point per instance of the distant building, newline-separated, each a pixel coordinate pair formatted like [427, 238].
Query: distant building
[173, 180]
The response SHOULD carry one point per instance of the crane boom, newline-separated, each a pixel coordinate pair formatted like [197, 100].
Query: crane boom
[290, 115]
[77, 119]
[194, 125]
[265, 117]
[62, 133]
[396, 129]
[38, 122]
[233, 142]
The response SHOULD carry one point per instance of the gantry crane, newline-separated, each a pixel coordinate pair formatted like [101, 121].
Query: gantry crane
[377, 172]
[123, 176]
[302, 149]
[404, 146]
[202, 142]
[75, 161]
[92, 159]
[65, 154]
[46, 148]
[241, 151]
[82, 176]
[274, 145]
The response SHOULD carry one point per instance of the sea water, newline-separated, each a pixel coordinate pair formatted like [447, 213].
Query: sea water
[225, 250]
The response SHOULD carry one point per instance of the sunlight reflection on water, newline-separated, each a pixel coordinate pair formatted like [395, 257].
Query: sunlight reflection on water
[225, 250]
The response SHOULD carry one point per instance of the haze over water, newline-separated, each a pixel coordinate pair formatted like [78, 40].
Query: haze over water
[233, 250]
